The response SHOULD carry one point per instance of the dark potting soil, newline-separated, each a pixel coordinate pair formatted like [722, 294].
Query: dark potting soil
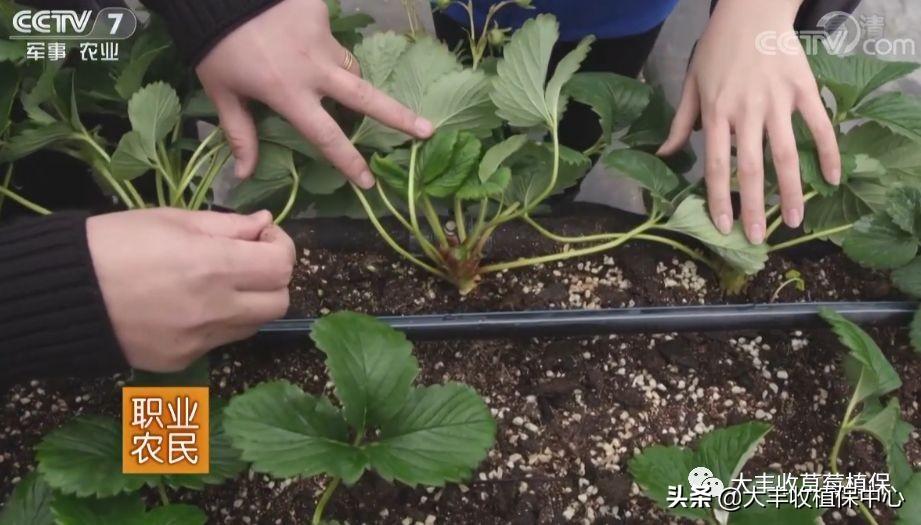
[571, 413]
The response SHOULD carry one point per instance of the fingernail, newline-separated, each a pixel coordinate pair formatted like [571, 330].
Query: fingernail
[836, 176]
[366, 180]
[724, 224]
[756, 234]
[424, 128]
[238, 170]
[793, 218]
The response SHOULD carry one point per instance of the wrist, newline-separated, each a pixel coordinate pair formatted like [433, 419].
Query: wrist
[741, 11]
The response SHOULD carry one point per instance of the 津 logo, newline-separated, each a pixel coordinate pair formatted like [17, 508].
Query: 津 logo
[111, 23]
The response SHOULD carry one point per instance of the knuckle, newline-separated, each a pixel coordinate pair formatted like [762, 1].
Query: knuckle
[786, 158]
[717, 164]
[363, 93]
[749, 166]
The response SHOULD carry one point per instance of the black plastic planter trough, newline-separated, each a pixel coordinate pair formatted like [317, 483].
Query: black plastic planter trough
[560, 323]
[350, 235]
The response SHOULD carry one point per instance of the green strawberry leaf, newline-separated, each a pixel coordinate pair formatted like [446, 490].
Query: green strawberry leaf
[286, 432]
[853, 78]
[532, 169]
[910, 513]
[725, 451]
[915, 332]
[896, 111]
[415, 69]
[459, 101]
[440, 435]
[29, 504]
[474, 189]
[124, 510]
[908, 278]
[83, 458]
[371, 364]
[905, 209]
[877, 242]
[320, 178]
[616, 99]
[435, 155]
[154, 111]
[691, 218]
[498, 154]
[868, 370]
[130, 159]
[464, 160]
[225, 461]
[390, 172]
[519, 92]
[378, 55]
[886, 425]
[647, 170]
[657, 468]
[31, 138]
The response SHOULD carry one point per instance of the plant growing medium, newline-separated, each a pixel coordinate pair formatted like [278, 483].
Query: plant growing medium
[416, 435]
[873, 409]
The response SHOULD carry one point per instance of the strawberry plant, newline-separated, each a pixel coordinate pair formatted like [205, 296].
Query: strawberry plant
[52, 101]
[496, 156]
[718, 460]
[416, 435]
[874, 410]
[79, 477]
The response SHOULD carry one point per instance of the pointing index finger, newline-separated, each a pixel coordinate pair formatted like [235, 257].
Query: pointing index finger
[360, 95]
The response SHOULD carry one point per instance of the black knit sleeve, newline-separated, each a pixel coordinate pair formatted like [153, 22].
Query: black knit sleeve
[197, 25]
[53, 319]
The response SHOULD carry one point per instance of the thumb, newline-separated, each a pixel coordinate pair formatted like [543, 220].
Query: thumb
[240, 131]
[232, 226]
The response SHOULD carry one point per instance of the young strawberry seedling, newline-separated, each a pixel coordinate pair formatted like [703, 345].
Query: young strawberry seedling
[415, 435]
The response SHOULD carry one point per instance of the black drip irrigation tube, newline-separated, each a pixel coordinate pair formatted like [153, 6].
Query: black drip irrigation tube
[662, 319]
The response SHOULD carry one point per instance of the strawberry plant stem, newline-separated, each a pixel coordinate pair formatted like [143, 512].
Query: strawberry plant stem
[520, 263]
[553, 177]
[324, 500]
[389, 240]
[843, 431]
[611, 236]
[6, 192]
[459, 220]
[295, 184]
[811, 237]
[161, 490]
[7, 181]
[85, 137]
[779, 220]
[434, 222]
[427, 247]
[198, 197]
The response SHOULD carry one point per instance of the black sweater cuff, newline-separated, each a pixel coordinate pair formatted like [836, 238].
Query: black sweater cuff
[53, 319]
[197, 25]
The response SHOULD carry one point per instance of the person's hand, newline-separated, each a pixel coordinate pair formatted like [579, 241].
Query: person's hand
[287, 58]
[736, 88]
[177, 284]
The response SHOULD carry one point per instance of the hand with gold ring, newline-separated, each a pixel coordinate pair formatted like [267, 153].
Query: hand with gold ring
[287, 58]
